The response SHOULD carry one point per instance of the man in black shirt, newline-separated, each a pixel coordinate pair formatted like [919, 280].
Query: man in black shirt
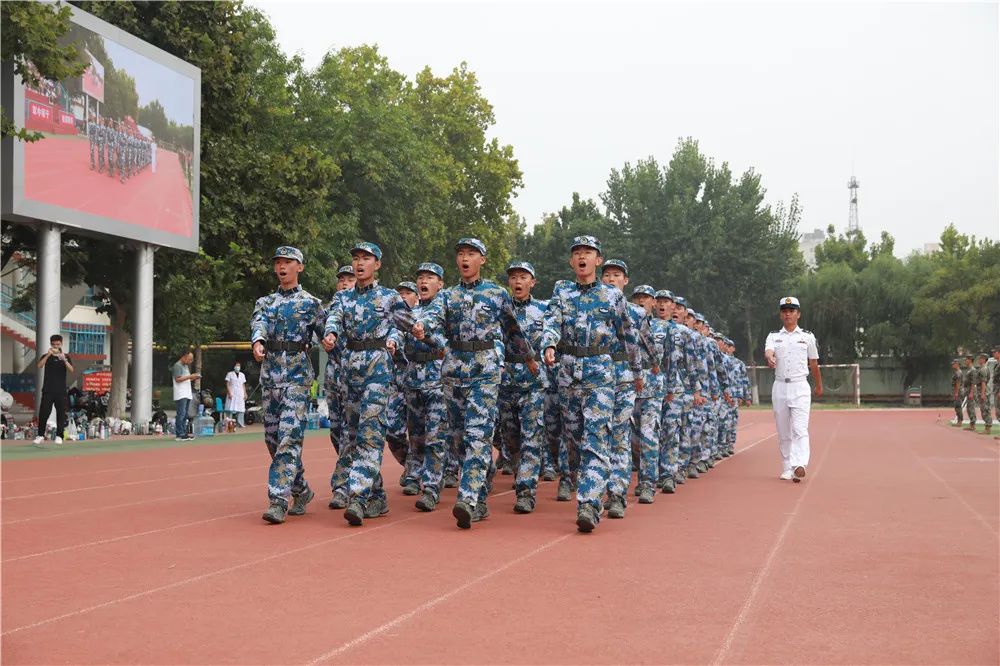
[53, 388]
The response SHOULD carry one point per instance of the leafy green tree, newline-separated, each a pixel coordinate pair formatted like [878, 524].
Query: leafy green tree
[30, 34]
[120, 96]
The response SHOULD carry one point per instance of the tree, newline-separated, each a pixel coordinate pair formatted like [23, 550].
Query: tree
[30, 40]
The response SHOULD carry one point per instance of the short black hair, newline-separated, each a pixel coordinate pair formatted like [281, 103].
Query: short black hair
[55, 338]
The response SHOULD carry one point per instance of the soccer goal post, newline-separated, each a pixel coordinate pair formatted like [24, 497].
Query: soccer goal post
[841, 382]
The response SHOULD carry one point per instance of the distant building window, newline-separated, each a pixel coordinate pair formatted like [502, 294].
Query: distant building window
[87, 339]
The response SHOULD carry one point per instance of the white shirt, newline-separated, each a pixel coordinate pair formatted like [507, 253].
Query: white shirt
[182, 389]
[792, 352]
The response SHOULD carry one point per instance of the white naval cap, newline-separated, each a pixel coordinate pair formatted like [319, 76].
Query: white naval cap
[789, 302]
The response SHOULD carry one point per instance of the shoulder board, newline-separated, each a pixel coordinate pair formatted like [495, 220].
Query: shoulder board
[806, 331]
[776, 332]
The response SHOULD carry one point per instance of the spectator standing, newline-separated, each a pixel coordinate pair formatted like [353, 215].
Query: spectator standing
[183, 394]
[236, 393]
[56, 364]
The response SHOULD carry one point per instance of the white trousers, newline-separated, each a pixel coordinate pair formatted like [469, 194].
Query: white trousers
[791, 404]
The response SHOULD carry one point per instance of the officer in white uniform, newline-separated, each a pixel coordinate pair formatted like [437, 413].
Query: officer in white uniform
[791, 351]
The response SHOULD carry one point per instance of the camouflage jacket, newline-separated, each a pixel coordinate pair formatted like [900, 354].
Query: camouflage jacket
[515, 375]
[369, 314]
[293, 316]
[595, 316]
[423, 373]
[474, 313]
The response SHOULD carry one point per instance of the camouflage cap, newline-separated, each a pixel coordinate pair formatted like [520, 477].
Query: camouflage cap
[407, 285]
[586, 241]
[667, 294]
[521, 266]
[288, 252]
[699, 317]
[643, 290]
[474, 243]
[691, 313]
[680, 300]
[345, 270]
[615, 263]
[370, 248]
[430, 267]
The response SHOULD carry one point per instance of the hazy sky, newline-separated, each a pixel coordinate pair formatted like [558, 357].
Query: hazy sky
[155, 81]
[904, 95]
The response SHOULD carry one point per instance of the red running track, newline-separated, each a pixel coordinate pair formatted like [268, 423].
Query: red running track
[886, 554]
[57, 171]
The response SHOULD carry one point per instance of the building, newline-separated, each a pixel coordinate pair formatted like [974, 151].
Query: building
[808, 244]
[85, 337]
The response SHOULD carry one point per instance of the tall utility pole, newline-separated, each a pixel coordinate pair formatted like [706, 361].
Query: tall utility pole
[852, 220]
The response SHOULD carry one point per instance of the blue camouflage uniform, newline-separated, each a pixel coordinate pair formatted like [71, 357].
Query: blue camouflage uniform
[647, 414]
[522, 396]
[696, 382]
[336, 393]
[554, 449]
[741, 392]
[700, 425]
[367, 317]
[620, 453]
[471, 319]
[426, 410]
[582, 322]
[675, 374]
[285, 323]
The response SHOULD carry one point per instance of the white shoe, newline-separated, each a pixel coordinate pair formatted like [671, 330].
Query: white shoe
[786, 475]
[39, 440]
[58, 440]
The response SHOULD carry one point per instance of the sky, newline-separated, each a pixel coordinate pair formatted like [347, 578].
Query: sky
[155, 81]
[904, 96]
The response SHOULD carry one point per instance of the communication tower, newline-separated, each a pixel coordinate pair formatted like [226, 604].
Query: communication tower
[852, 220]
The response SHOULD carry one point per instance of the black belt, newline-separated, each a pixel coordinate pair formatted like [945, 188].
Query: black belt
[517, 358]
[470, 345]
[574, 350]
[287, 346]
[620, 357]
[424, 357]
[366, 345]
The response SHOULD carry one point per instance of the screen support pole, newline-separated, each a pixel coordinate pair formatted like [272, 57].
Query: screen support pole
[142, 339]
[48, 295]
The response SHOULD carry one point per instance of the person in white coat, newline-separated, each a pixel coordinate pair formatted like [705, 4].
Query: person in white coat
[236, 383]
[791, 351]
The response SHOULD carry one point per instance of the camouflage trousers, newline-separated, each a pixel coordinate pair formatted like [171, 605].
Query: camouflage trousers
[646, 436]
[710, 430]
[586, 415]
[335, 406]
[361, 448]
[427, 416]
[970, 406]
[472, 416]
[396, 435]
[958, 408]
[692, 427]
[284, 427]
[620, 453]
[734, 420]
[671, 421]
[522, 428]
[553, 432]
[982, 401]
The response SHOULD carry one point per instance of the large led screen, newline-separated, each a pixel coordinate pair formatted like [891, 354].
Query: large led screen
[119, 153]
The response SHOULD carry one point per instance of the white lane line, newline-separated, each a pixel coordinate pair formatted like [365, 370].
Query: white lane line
[204, 576]
[127, 469]
[142, 481]
[427, 605]
[741, 617]
[127, 504]
[753, 444]
[953, 493]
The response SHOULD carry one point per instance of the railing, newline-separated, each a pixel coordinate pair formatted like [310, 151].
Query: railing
[85, 339]
[7, 294]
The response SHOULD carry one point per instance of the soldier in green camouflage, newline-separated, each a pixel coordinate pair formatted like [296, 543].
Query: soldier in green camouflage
[956, 390]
